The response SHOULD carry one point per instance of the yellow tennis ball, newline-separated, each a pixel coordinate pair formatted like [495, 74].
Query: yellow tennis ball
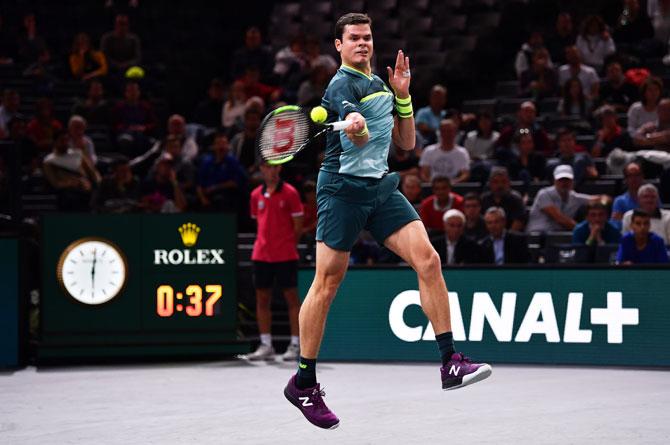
[318, 114]
[135, 72]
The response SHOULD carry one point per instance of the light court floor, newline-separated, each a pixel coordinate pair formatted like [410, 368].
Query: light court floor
[237, 402]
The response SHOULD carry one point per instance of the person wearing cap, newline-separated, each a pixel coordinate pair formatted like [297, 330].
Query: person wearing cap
[556, 206]
[454, 247]
[502, 246]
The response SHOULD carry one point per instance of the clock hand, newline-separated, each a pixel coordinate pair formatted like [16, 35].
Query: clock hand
[93, 274]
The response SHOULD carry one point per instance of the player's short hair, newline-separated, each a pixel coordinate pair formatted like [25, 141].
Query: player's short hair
[352, 18]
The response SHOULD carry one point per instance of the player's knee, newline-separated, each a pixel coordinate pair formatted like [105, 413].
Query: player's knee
[326, 288]
[428, 262]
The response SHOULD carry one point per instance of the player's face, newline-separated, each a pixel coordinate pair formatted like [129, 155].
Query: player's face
[356, 45]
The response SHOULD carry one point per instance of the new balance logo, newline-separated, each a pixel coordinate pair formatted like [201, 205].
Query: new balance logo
[454, 370]
[305, 401]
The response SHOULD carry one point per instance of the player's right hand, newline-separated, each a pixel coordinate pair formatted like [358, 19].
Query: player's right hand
[357, 124]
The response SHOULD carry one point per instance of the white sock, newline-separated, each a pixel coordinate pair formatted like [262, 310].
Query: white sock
[295, 340]
[266, 339]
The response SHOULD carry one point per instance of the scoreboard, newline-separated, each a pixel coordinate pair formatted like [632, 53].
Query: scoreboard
[138, 285]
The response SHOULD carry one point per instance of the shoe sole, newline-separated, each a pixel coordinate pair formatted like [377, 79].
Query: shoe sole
[297, 405]
[482, 373]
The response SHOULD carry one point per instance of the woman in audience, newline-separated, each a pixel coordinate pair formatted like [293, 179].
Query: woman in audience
[595, 42]
[645, 110]
[85, 62]
[573, 103]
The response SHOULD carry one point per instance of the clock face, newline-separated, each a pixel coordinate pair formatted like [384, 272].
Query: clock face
[92, 270]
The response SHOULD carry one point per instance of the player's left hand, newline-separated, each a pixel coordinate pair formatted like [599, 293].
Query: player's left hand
[400, 76]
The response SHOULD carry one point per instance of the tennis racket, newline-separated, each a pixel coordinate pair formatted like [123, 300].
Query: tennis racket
[287, 130]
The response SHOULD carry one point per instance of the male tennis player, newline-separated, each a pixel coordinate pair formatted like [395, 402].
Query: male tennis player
[354, 192]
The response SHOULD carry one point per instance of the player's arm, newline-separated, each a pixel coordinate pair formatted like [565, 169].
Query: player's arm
[399, 78]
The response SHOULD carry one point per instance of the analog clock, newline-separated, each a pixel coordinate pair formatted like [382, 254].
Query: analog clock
[92, 270]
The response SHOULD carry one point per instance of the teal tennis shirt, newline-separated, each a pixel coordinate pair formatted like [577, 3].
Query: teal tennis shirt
[351, 91]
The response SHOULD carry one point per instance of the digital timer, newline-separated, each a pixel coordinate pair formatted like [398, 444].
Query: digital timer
[165, 300]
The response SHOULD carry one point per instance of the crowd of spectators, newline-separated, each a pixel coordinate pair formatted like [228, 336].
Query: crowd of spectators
[524, 173]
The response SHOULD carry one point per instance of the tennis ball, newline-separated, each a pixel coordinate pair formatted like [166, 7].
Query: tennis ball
[318, 115]
[135, 72]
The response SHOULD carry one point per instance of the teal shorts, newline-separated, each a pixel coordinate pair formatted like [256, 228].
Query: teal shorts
[348, 204]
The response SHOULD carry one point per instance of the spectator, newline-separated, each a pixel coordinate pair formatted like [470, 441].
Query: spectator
[94, 108]
[405, 162]
[647, 196]
[539, 80]
[209, 112]
[253, 54]
[234, 107]
[524, 56]
[311, 90]
[221, 179]
[641, 245]
[77, 139]
[308, 232]
[161, 193]
[433, 207]
[659, 13]
[454, 247]
[176, 128]
[291, 61]
[655, 134]
[523, 163]
[243, 145]
[43, 127]
[428, 118]
[556, 207]
[475, 228]
[445, 158]
[575, 68]
[633, 26]
[615, 90]
[119, 192]
[411, 188]
[633, 178]
[86, 63]
[645, 110]
[581, 162]
[479, 143]
[278, 211]
[595, 230]
[594, 42]
[70, 174]
[134, 121]
[316, 58]
[564, 35]
[121, 47]
[31, 158]
[526, 119]
[502, 246]
[573, 103]
[610, 135]
[30, 44]
[11, 102]
[254, 87]
[500, 194]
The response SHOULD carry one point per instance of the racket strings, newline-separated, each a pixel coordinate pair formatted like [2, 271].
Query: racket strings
[283, 135]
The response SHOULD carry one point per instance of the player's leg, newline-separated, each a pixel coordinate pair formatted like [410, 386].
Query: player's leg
[288, 281]
[411, 243]
[263, 278]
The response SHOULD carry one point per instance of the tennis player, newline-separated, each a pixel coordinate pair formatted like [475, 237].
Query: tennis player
[354, 192]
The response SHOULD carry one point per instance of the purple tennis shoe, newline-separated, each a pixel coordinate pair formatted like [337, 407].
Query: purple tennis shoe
[310, 403]
[460, 372]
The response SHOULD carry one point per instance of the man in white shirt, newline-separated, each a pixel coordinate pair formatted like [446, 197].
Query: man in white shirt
[647, 197]
[575, 68]
[445, 158]
[555, 207]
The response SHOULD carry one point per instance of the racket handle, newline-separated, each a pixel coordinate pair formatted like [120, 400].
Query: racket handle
[340, 125]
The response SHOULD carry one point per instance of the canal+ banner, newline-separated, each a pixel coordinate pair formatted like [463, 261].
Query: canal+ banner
[617, 316]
